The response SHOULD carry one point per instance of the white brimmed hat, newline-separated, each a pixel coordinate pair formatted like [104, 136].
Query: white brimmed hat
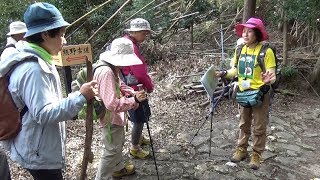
[121, 53]
[17, 27]
[139, 24]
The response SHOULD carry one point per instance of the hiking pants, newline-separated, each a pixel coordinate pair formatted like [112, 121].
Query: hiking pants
[4, 166]
[136, 133]
[260, 118]
[111, 159]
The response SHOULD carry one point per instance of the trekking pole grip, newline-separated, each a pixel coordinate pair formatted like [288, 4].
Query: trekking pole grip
[140, 87]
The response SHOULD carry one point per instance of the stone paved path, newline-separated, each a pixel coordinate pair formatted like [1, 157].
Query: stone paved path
[292, 152]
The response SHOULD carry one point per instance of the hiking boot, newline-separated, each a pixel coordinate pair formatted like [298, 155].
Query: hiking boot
[140, 153]
[255, 160]
[144, 141]
[126, 171]
[239, 155]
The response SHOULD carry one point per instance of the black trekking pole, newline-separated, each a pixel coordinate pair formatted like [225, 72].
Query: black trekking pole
[214, 102]
[148, 127]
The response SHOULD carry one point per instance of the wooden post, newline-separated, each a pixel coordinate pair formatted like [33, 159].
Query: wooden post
[285, 38]
[67, 75]
[88, 155]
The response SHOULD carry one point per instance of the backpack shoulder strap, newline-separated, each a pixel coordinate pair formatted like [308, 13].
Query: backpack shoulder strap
[31, 59]
[262, 55]
[101, 65]
[25, 108]
[9, 45]
[106, 64]
[238, 53]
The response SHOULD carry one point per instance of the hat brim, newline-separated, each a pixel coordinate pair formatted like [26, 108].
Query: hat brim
[46, 27]
[239, 29]
[17, 32]
[120, 59]
[139, 29]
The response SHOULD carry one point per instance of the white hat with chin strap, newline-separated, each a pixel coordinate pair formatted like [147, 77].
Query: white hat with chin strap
[139, 24]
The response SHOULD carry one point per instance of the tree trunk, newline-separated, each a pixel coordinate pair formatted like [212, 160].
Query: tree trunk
[249, 9]
[315, 73]
[285, 37]
[87, 154]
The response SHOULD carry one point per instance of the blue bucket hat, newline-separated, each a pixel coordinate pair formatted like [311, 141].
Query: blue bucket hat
[41, 17]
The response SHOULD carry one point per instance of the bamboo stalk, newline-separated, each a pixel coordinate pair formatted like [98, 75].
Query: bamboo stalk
[132, 16]
[232, 22]
[157, 6]
[200, 74]
[181, 17]
[87, 14]
[174, 23]
[113, 15]
[138, 11]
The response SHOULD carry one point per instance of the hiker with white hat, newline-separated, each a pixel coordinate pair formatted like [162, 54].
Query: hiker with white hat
[35, 88]
[137, 33]
[17, 30]
[118, 98]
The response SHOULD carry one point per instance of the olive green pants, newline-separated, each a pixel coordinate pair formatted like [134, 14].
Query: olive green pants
[259, 115]
[111, 159]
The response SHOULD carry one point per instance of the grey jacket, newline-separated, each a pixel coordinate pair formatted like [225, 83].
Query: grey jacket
[36, 84]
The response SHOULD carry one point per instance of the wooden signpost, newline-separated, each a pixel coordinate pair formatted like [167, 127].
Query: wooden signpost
[73, 55]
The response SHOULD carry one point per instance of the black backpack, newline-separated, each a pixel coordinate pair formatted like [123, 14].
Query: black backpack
[261, 57]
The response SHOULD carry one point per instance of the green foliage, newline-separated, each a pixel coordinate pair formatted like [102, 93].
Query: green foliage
[302, 10]
[205, 9]
[289, 71]
[10, 12]
[202, 34]
[160, 17]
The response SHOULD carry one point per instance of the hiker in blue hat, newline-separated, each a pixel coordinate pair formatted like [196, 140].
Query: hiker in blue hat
[35, 85]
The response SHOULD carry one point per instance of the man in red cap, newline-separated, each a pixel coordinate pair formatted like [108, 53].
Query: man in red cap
[252, 77]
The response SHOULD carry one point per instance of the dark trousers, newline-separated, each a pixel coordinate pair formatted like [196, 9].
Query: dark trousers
[46, 174]
[4, 167]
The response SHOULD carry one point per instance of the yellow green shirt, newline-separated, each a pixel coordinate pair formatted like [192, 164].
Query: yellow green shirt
[248, 67]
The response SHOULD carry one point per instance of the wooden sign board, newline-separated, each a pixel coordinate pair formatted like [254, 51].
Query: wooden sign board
[73, 55]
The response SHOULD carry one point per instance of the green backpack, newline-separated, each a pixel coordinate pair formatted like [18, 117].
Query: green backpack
[99, 110]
